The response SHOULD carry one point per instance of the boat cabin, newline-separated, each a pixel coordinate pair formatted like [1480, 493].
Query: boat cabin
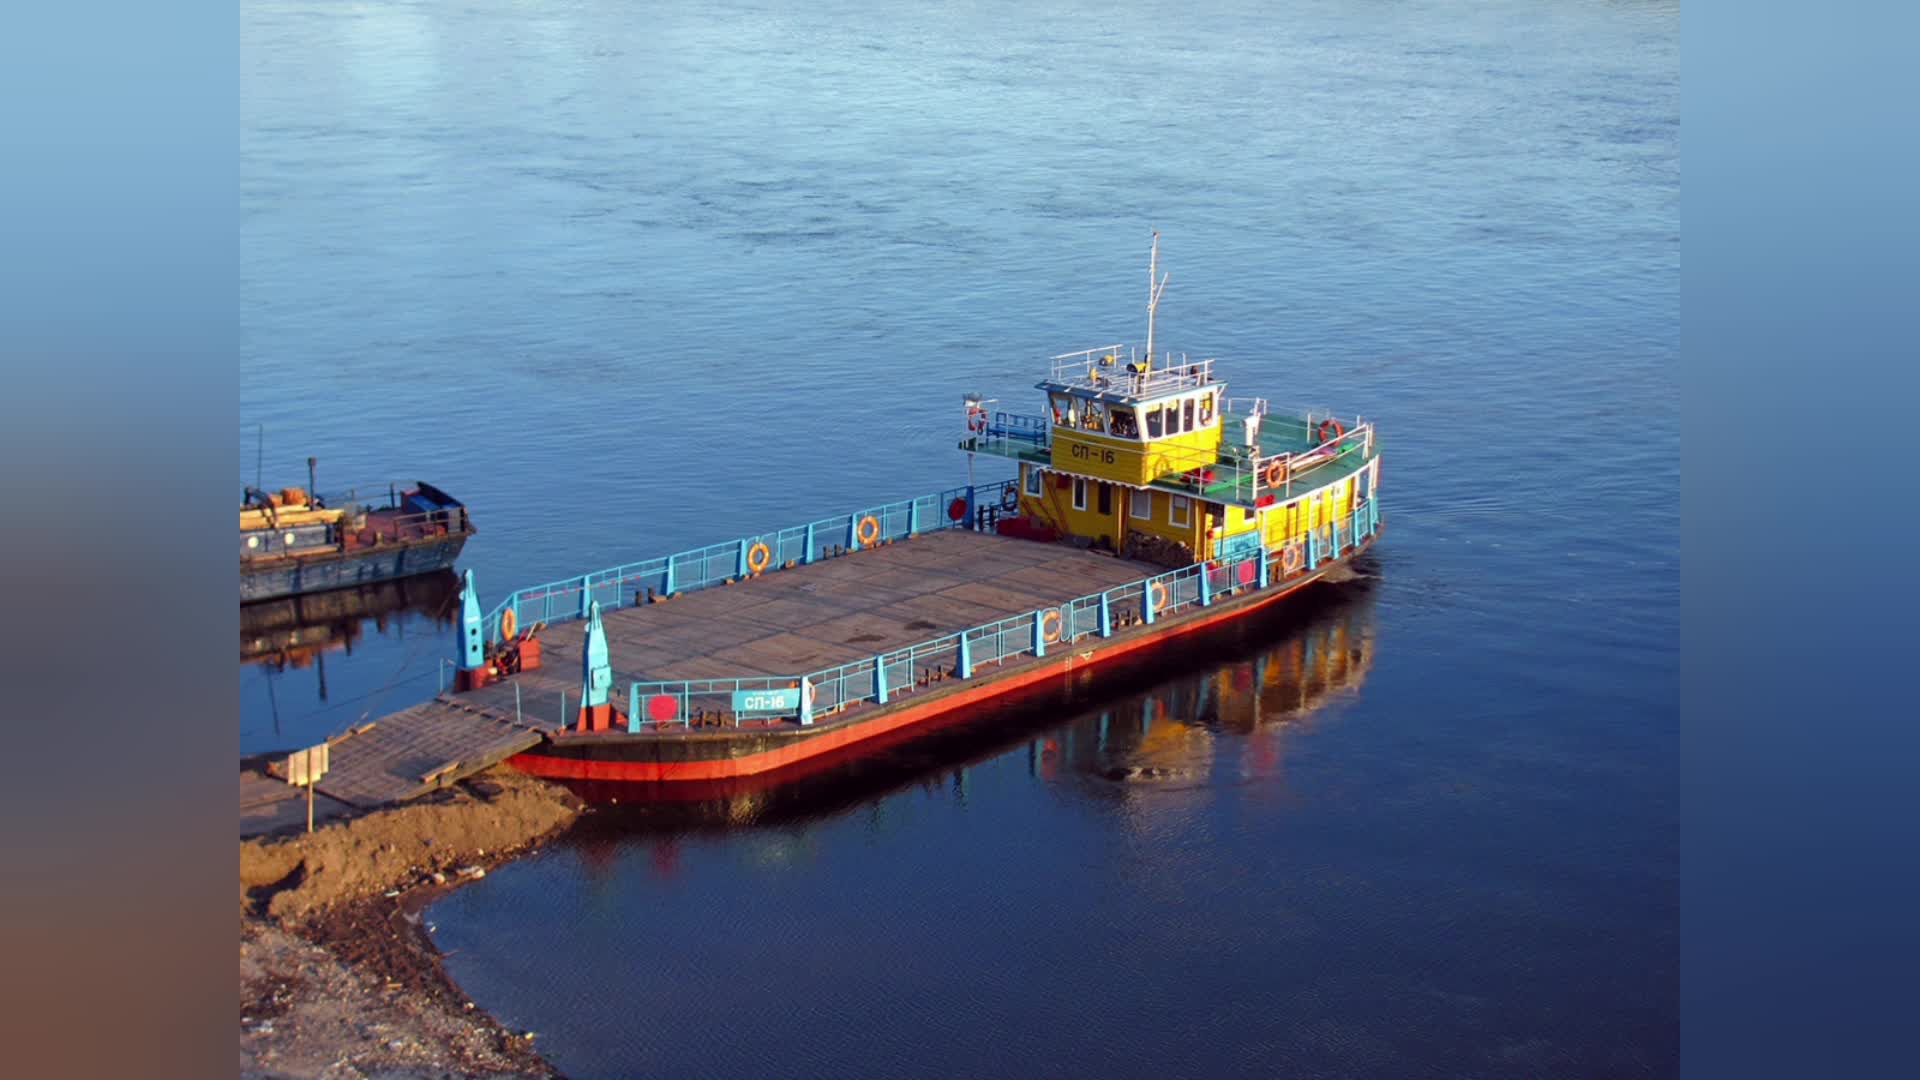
[1147, 456]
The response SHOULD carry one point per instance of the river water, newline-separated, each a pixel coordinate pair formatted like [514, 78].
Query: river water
[633, 278]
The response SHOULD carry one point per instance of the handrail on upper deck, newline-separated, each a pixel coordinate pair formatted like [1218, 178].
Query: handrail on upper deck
[1081, 371]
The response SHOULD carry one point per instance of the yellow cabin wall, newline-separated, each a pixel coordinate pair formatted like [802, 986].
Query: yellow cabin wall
[1130, 462]
[1279, 525]
[1289, 521]
[1054, 507]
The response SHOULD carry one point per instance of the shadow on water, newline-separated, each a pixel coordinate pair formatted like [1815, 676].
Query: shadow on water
[1137, 723]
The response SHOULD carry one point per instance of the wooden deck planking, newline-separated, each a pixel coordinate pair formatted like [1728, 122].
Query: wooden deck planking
[417, 750]
[836, 611]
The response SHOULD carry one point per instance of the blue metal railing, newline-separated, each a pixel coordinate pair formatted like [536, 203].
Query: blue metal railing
[703, 568]
[1021, 427]
[888, 676]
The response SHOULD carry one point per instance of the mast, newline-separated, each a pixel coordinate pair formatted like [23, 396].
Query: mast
[1153, 293]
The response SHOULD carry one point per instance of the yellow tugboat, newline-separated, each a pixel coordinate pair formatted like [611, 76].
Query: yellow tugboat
[1148, 457]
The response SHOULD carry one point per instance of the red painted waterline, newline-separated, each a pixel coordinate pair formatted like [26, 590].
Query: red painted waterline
[537, 764]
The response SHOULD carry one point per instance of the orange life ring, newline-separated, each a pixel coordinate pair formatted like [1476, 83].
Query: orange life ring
[977, 420]
[1276, 472]
[1157, 595]
[868, 530]
[759, 557]
[1339, 429]
[1050, 626]
[509, 624]
[1292, 558]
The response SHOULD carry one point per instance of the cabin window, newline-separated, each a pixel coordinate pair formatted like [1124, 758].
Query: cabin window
[1123, 423]
[1079, 493]
[1154, 430]
[1093, 416]
[1180, 512]
[1063, 415]
[1187, 410]
[1106, 499]
[1033, 480]
[1142, 504]
[1206, 409]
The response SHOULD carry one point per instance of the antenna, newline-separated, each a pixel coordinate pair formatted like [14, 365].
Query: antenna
[1153, 293]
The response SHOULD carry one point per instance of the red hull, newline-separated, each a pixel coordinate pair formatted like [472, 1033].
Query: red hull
[1079, 657]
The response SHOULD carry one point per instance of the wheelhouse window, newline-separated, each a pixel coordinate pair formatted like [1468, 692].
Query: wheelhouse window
[1181, 511]
[1033, 479]
[1122, 422]
[1063, 414]
[1206, 409]
[1187, 413]
[1154, 427]
[1079, 493]
[1093, 416]
[1142, 502]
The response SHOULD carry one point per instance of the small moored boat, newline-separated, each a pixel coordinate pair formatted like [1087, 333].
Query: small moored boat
[293, 542]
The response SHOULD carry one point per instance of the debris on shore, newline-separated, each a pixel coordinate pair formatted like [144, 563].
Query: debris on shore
[338, 977]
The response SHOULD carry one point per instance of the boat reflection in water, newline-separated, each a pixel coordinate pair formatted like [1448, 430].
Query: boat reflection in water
[296, 632]
[1161, 723]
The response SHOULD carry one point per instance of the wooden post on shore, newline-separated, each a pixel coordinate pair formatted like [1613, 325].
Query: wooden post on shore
[305, 768]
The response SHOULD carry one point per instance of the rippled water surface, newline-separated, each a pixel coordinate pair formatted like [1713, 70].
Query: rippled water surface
[632, 278]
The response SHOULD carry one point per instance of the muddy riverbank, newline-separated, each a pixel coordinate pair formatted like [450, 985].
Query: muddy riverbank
[338, 977]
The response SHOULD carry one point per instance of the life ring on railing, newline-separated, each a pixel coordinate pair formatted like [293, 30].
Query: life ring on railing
[1009, 499]
[1292, 558]
[1276, 472]
[759, 557]
[977, 421]
[868, 530]
[1050, 626]
[509, 624]
[1157, 596]
[1336, 426]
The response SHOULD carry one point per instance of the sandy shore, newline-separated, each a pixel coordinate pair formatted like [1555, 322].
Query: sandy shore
[338, 978]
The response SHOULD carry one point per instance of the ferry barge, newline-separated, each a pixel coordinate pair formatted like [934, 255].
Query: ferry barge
[1146, 504]
[293, 543]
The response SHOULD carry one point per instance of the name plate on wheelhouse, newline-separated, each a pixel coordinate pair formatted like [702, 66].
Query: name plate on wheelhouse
[766, 701]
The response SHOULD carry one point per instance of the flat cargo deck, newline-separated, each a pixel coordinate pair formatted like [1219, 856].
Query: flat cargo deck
[835, 611]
